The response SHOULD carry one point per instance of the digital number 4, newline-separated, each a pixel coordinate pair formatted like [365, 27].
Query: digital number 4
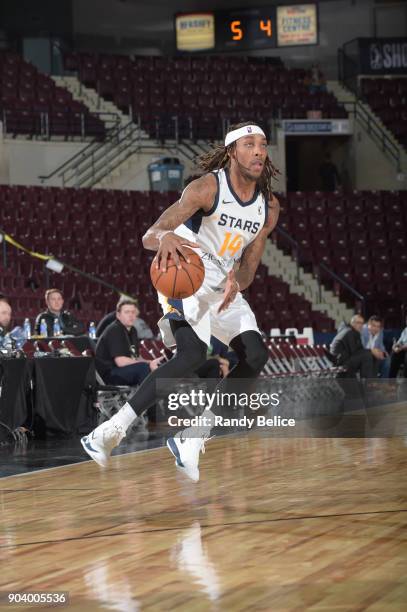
[266, 26]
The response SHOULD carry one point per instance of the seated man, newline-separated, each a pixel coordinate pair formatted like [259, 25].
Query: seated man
[67, 322]
[5, 319]
[117, 359]
[399, 355]
[144, 332]
[372, 337]
[348, 350]
[9, 339]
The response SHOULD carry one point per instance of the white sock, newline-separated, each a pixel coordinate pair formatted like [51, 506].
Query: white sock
[125, 416]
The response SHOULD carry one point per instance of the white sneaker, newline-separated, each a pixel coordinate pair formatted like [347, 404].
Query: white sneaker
[102, 440]
[191, 556]
[186, 452]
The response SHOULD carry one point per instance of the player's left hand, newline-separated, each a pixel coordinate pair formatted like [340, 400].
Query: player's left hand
[231, 291]
[155, 363]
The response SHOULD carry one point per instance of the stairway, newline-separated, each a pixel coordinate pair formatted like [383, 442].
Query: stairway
[90, 98]
[347, 97]
[125, 165]
[304, 284]
[131, 172]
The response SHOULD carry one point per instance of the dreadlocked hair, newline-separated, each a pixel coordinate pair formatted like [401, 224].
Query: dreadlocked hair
[219, 157]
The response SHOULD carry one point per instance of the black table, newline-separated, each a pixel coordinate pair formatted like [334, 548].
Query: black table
[63, 393]
[51, 393]
[14, 382]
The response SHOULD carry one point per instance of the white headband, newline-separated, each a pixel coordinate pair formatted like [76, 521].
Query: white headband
[247, 130]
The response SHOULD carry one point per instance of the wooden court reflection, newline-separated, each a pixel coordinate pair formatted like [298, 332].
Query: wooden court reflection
[274, 524]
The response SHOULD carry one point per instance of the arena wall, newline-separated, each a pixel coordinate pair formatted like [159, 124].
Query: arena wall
[23, 161]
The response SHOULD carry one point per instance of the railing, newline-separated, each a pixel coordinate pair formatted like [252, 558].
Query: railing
[82, 154]
[104, 159]
[97, 160]
[69, 124]
[81, 157]
[338, 282]
[375, 131]
[348, 69]
[348, 74]
[175, 133]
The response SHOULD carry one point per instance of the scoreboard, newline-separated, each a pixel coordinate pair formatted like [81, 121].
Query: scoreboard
[241, 30]
[246, 29]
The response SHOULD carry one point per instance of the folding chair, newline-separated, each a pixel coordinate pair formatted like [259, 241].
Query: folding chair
[110, 398]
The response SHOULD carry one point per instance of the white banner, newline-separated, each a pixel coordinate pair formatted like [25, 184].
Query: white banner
[297, 25]
[195, 31]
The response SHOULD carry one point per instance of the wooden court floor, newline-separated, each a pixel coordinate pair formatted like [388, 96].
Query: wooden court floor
[274, 524]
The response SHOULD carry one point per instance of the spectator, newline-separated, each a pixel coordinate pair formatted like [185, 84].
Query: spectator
[144, 332]
[328, 172]
[399, 355]
[70, 326]
[117, 359]
[372, 337]
[5, 319]
[9, 339]
[317, 81]
[348, 351]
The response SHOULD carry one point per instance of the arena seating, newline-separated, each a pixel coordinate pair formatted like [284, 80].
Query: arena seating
[285, 359]
[388, 99]
[201, 91]
[361, 236]
[32, 105]
[99, 231]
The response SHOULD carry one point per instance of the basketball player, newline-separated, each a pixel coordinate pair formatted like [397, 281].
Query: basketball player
[226, 215]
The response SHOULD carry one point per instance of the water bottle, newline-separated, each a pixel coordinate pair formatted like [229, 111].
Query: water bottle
[92, 330]
[57, 327]
[27, 329]
[43, 328]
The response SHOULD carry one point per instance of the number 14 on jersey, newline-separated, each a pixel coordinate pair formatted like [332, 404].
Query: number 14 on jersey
[232, 243]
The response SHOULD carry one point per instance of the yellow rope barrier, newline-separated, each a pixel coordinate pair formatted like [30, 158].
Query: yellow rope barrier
[43, 257]
[11, 240]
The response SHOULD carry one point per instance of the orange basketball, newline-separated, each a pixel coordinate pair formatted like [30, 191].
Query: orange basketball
[179, 284]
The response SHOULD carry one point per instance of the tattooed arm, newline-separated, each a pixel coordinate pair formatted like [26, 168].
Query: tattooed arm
[160, 237]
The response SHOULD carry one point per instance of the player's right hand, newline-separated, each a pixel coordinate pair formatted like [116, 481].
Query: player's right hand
[171, 245]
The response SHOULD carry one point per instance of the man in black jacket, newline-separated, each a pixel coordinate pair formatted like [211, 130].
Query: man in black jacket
[67, 322]
[117, 358]
[348, 350]
[143, 330]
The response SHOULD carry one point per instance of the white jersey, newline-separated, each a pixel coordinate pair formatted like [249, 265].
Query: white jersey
[225, 230]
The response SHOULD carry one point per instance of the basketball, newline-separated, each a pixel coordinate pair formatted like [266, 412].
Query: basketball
[179, 284]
